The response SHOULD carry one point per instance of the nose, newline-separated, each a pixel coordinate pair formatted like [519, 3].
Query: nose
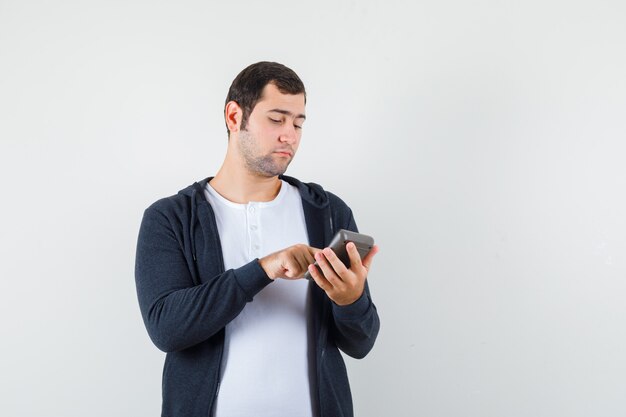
[289, 134]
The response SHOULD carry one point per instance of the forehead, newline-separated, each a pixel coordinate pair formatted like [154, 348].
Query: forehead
[271, 98]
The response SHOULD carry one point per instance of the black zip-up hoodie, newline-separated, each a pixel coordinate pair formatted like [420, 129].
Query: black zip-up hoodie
[186, 299]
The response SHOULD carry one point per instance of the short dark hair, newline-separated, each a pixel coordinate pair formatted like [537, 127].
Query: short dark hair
[248, 86]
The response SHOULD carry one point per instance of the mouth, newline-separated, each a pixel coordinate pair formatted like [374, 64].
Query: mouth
[284, 153]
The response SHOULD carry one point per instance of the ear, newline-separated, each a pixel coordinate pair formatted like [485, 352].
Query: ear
[233, 114]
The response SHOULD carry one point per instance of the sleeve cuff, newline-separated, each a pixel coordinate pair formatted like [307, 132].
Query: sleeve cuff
[252, 278]
[353, 311]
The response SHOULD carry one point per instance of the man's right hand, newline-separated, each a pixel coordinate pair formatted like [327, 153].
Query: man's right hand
[289, 263]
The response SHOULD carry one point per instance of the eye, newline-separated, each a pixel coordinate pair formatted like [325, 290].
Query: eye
[274, 120]
[297, 127]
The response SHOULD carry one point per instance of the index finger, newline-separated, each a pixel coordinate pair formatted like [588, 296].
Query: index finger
[313, 250]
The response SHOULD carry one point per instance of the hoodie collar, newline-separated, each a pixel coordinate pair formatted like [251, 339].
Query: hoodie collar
[310, 192]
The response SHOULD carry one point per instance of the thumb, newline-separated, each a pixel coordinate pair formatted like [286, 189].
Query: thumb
[367, 261]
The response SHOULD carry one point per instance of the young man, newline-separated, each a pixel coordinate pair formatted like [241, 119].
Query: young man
[219, 273]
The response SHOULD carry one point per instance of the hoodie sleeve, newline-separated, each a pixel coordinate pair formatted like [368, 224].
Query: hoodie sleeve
[178, 313]
[356, 325]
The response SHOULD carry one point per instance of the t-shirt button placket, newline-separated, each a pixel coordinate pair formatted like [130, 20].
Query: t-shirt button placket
[255, 239]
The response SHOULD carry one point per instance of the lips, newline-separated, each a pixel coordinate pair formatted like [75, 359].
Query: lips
[284, 152]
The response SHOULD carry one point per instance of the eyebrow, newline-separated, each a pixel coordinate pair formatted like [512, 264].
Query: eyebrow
[287, 113]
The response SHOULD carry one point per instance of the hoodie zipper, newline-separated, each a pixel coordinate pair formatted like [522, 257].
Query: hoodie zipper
[218, 247]
[325, 317]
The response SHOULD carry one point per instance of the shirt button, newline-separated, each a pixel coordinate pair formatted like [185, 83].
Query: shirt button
[253, 227]
[256, 247]
[251, 209]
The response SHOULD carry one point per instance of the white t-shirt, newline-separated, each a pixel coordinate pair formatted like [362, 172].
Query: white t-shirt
[265, 366]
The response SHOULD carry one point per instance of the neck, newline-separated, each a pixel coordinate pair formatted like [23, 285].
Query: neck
[241, 186]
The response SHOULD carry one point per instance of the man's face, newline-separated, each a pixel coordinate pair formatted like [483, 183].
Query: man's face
[272, 135]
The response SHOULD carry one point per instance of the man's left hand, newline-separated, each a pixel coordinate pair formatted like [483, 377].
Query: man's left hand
[342, 285]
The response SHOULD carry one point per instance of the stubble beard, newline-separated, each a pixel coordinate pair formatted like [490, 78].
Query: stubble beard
[263, 165]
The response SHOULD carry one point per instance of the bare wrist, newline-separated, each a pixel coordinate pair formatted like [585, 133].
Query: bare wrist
[264, 264]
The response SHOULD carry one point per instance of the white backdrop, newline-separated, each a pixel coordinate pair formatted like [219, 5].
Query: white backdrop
[481, 144]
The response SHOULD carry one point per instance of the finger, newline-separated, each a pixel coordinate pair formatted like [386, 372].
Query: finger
[353, 254]
[335, 262]
[310, 254]
[291, 268]
[327, 270]
[319, 278]
[367, 261]
[301, 258]
[301, 261]
[296, 264]
[313, 250]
